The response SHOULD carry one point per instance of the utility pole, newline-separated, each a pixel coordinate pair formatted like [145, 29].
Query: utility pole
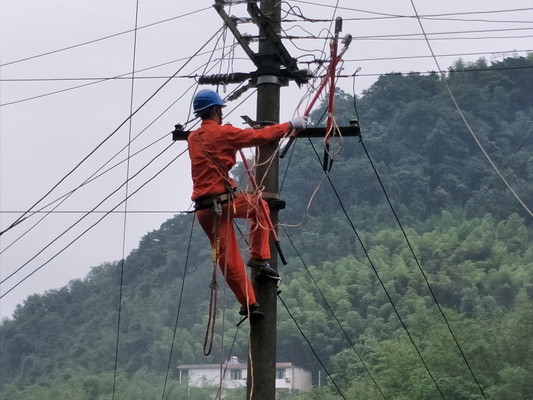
[261, 383]
[275, 68]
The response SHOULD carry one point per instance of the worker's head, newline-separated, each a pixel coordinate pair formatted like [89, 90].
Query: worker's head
[207, 104]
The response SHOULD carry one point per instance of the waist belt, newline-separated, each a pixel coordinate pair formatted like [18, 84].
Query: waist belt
[208, 202]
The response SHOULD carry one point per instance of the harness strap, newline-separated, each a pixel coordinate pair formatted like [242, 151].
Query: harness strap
[208, 202]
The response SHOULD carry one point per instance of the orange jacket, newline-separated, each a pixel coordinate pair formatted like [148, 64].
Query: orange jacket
[213, 152]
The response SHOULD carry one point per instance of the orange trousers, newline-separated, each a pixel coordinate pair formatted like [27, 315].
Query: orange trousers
[229, 258]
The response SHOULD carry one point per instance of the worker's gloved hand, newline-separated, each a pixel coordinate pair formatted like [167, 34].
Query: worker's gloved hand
[299, 123]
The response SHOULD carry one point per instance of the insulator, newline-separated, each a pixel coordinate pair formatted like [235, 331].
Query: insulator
[224, 79]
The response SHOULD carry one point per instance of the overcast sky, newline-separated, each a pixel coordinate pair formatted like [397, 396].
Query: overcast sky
[65, 86]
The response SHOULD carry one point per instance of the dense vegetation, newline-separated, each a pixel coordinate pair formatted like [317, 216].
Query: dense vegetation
[468, 236]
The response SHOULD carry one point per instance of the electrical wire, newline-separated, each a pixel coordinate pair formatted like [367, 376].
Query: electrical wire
[408, 36]
[21, 218]
[367, 370]
[94, 209]
[507, 164]
[378, 276]
[90, 227]
[125, 215]
[375, 271]
[388, 15]
[179, 308]
[315, 60]
[437, 55]
[60, 200]
[408, 242]
[426, 280]
[435, 17]
[95, 175]
[98, 80]
[87, 214]
[101, 39]
[470, 130]
[219, 391]
[311, 347]
[98, 212]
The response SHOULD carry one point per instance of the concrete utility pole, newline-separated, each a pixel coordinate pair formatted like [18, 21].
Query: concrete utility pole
[261, 383]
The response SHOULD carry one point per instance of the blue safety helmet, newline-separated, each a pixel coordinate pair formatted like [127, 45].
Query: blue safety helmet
[206, 98]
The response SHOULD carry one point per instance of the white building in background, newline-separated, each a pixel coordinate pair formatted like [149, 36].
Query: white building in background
[288, 377]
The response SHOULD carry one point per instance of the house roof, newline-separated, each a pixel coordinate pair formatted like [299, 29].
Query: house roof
[228, 366]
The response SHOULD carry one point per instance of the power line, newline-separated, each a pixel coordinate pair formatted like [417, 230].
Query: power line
[434, 17]
[102, 39]
[470, 130]
[60, 200]
[428, 34]
[503, 52]
[311, 347]
[95, 212]
[88, 229]
[426, 280]
[95, 176]
[333, 314]
[89, 213]
[450, 72]
[378, 276]
[100, 80]
[316, 284]
[189, 76]
[127, 186]
[179, 308]
[396, 36]
[21, 218]
[415, 16]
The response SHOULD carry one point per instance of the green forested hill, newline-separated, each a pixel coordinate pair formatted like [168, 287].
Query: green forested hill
[470, 236]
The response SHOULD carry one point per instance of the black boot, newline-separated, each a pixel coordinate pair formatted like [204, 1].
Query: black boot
[257, 263]
[253, 310]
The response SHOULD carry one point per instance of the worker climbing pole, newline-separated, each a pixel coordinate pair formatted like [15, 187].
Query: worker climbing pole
[221, 202]
[212, 150]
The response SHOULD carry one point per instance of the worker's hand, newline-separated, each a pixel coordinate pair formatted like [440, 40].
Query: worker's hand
[299, 123]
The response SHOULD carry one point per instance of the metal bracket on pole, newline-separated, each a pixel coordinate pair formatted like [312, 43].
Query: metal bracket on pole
[291, 68]
[243, 41]
[273, 38]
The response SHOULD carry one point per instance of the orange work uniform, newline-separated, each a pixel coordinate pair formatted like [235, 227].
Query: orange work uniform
[213, 151]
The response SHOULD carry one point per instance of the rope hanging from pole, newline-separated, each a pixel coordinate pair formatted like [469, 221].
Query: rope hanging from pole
[270, 226]
[210, 329]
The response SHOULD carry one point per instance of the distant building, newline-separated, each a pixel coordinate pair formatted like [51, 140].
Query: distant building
[288, 377]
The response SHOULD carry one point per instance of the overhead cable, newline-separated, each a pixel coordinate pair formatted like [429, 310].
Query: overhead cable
[87, 214]
[470, 130]
[90, 227]
[311, 347]
[185, 266]
[367, 370]
[378, 276]
[414, 16]
[103, 38]
[126, 189]
[22, 217]
[97, 80]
